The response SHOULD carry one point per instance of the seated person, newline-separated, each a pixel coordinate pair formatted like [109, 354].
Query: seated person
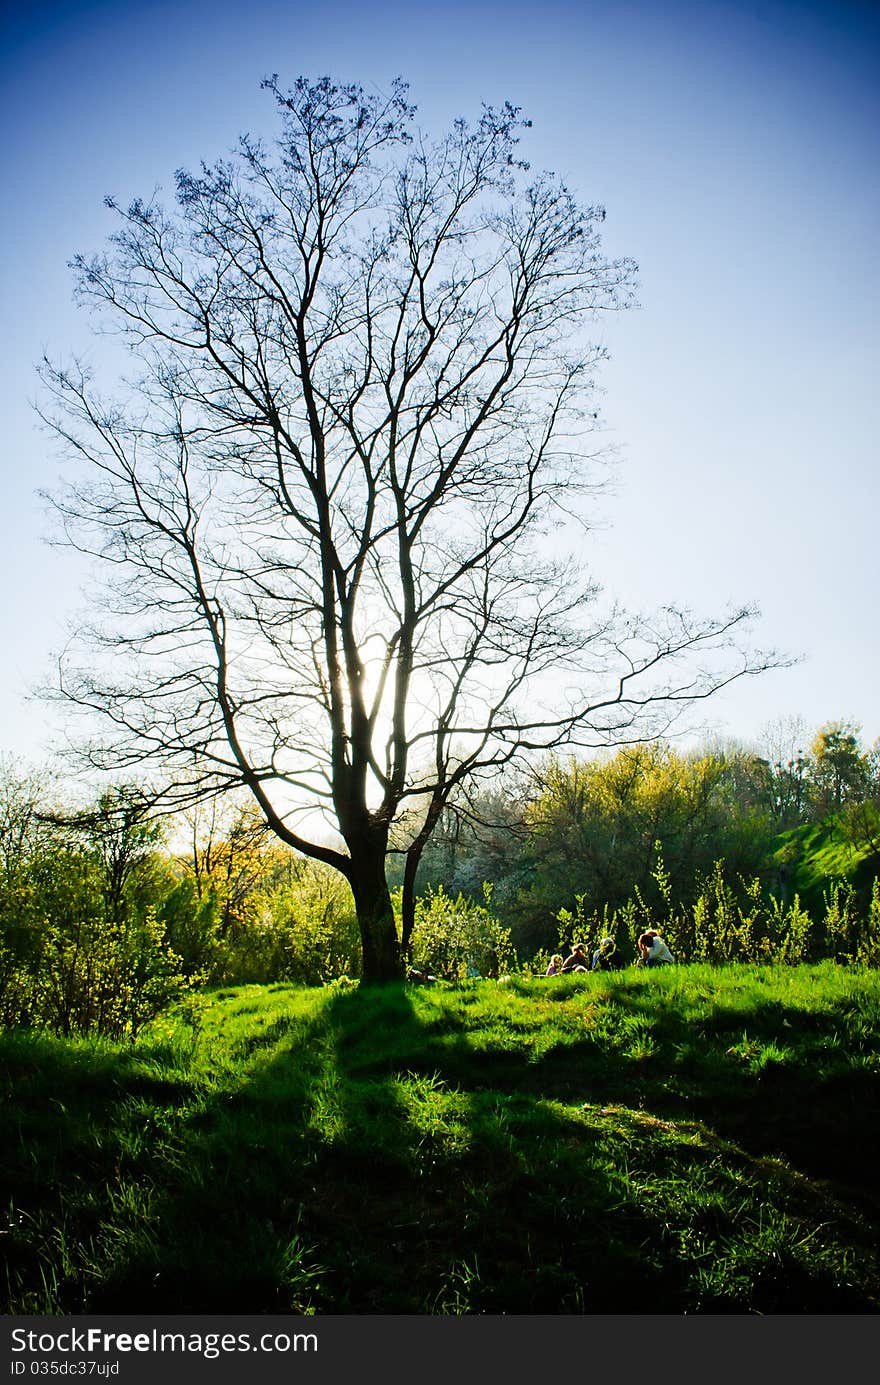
[653, 951]
[424, 978]
[608, 956]
[555, 966]
[578, 961]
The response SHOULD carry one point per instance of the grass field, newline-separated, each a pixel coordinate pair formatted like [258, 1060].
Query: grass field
[694, 1140]
[820, 853]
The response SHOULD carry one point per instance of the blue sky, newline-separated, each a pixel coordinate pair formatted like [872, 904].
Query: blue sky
[735, 148]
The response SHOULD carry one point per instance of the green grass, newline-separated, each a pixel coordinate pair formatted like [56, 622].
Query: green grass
[818, 854]
[694, 1140]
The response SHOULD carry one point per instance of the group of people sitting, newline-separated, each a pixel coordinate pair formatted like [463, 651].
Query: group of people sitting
[652, 950]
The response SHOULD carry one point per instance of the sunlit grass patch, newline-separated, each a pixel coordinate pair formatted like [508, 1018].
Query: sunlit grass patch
[518, 1148]
[438, 1118]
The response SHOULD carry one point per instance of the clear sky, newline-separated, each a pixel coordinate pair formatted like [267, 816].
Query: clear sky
[734, 144]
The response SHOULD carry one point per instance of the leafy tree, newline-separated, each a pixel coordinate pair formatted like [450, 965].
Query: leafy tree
[596, 825]
[24, 839]
[454, 938]
[789, 768]
[860, 820]
[122, 832]
[841, 768]
[248, 908]
[364, 396]
[221, 886]
[310, 931]
[80, 950]
[227, 858]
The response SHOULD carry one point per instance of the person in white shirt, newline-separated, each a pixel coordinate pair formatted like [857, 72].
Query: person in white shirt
[653, 951]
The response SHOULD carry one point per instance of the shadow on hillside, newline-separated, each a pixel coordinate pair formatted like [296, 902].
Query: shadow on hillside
[341, 1178]
[793, 1107]
[337, 1178]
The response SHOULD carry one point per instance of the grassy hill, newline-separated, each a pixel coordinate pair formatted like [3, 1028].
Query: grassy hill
[815, 855]
[699, 1140]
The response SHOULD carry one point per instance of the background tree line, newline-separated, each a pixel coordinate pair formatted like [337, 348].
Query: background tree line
[593, 830]
[108, 913]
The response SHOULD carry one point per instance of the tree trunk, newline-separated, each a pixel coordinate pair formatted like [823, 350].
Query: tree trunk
[375, 916]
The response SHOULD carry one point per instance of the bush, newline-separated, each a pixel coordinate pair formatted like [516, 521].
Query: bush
[74, 958]
[458, 938]
[735, 921]
[308, 932]
[82, 973]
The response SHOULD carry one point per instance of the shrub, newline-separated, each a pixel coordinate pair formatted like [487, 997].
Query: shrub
[453, 938]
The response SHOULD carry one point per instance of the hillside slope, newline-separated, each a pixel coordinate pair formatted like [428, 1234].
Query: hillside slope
[701, 1140]
[811, 857]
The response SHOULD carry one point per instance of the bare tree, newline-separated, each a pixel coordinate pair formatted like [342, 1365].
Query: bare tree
[328, 501]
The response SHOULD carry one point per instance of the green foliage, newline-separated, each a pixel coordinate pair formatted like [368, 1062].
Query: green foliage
[309, 932]
[594, 828]
[841, 769]
[730, 921]
[120, 833]
[808, 858]
[81, 950]
[574, 925]
[88, 974]
[249, 910]
[192, 923]
[793, 933]
[868, 945]
[102, 923]
[484, 844]
[456, 938]
[99, 929]
[584, 843]
[861, 826]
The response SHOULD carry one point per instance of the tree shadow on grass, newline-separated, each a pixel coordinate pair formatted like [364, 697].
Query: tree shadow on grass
[782, 1088]
[373, 1162]
[394, 1191]
[780, 1082]
[60, 1151]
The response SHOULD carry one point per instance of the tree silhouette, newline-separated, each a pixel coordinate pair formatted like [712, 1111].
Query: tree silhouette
[328, 504]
